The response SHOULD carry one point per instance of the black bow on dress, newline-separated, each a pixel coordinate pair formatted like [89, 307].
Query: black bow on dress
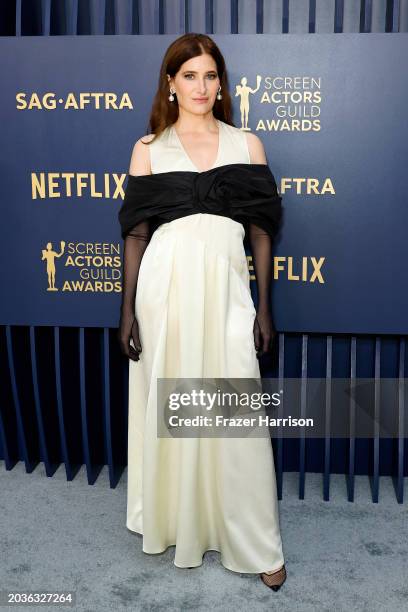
[244, 192]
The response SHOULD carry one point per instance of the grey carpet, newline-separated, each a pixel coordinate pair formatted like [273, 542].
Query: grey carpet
[339, 555]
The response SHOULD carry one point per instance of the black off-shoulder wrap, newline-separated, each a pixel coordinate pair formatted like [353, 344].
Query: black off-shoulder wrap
[246, 193]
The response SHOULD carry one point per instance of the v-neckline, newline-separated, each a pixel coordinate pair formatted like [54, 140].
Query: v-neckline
[189, 158]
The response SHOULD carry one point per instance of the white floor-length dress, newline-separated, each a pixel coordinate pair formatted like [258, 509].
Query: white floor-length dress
[196, 315]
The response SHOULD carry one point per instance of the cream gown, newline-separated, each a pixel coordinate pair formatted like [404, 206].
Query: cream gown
[195, 313]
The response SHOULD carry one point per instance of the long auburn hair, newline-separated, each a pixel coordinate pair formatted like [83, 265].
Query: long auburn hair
[164, 112]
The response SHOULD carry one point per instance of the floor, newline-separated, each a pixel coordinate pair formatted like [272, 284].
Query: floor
[57, 535]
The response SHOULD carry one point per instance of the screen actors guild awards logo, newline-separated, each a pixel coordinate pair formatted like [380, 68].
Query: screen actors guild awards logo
[50, 255]
[243, 91]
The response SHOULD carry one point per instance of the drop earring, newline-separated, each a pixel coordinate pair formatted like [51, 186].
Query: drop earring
[171, 97]
[219, 96]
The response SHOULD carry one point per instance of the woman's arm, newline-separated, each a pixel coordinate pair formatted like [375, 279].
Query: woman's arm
[135, 244]
[261, 247]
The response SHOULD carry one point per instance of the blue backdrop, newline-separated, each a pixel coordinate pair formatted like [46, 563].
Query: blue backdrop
[334, 130]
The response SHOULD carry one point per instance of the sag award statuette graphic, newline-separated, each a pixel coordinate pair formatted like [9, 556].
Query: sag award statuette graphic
[50, 256]
[243, 91]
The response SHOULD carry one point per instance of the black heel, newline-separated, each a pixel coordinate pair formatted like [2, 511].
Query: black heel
[274, 581]
[276, 587]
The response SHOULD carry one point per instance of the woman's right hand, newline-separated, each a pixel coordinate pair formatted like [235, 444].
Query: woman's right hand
[129, 330]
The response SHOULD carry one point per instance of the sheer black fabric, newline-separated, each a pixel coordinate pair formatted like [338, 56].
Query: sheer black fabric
[261, 247]
[135, 243]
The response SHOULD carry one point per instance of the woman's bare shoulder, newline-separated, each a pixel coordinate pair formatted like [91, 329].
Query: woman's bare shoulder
[255, 148]
[140, 159]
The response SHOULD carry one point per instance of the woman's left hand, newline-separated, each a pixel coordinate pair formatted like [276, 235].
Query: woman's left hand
[264, 332]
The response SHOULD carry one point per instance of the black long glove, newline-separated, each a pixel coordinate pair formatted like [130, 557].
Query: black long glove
[135, 244]
[264, 329]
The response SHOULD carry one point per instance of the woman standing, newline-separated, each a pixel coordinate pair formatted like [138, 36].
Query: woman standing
[196, 187]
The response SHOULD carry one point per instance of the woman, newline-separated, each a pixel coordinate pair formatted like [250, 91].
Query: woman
[197, 186]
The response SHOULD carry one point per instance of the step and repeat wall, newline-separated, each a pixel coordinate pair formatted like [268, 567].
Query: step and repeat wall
[330, 111]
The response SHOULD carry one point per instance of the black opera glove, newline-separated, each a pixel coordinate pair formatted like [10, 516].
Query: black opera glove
[135, 243]
[264, 333]
[264, 330]
[129, 330]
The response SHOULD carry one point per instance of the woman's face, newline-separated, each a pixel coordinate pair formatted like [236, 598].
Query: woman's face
[196, 84]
